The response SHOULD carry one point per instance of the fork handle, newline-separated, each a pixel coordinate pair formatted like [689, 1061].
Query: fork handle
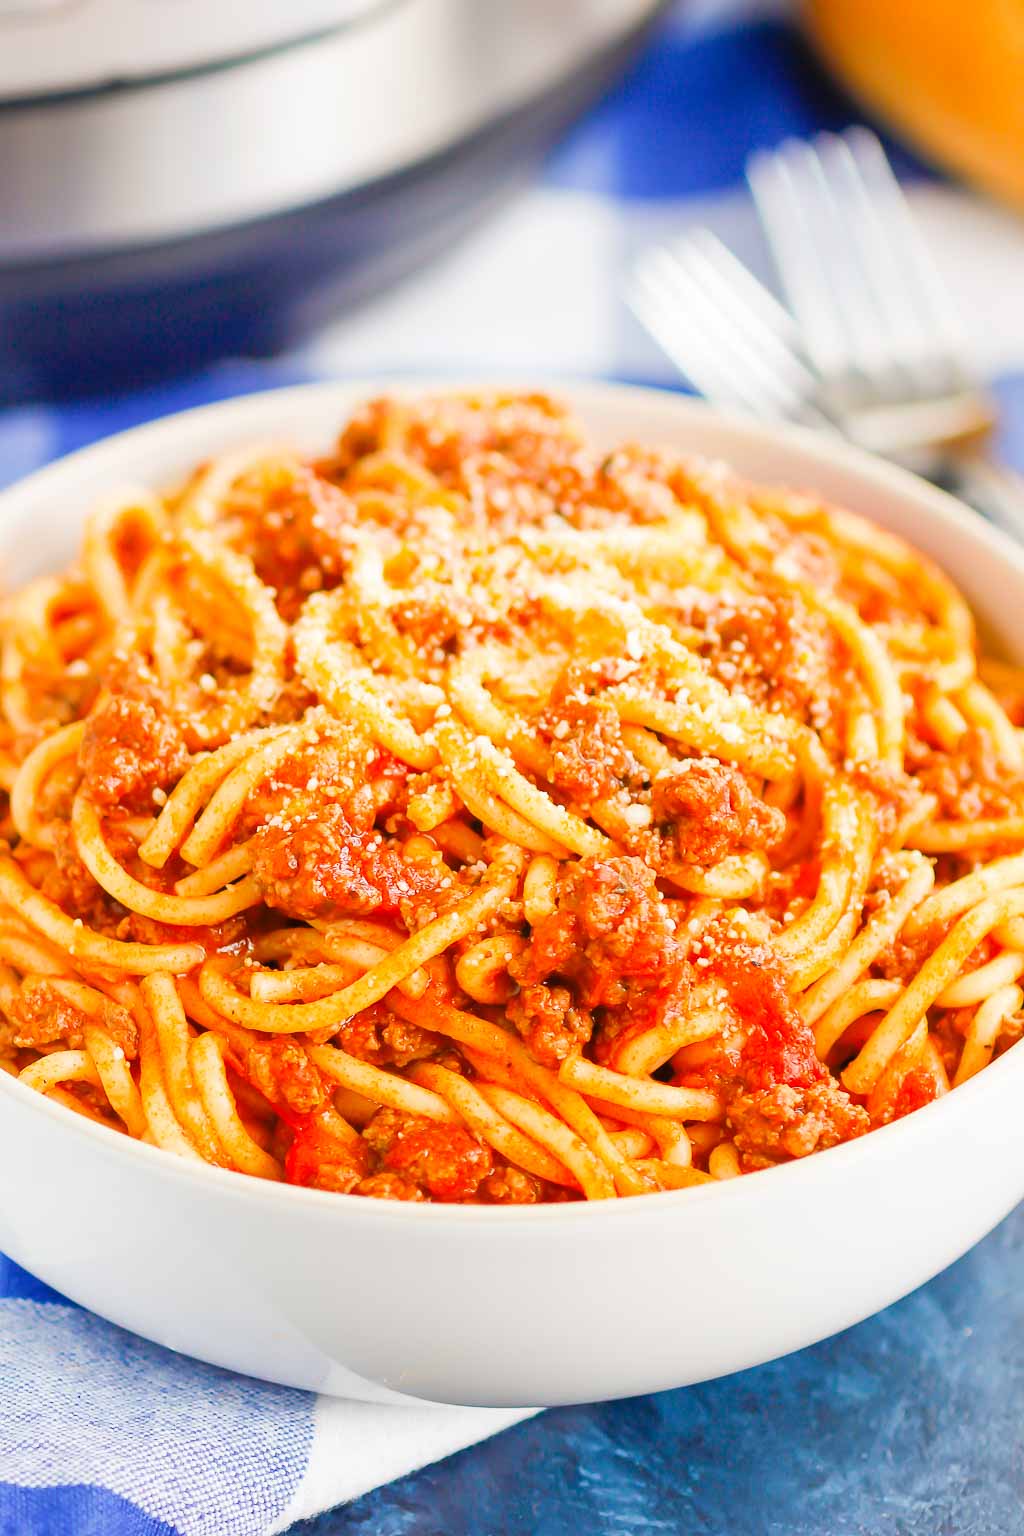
[993, 488]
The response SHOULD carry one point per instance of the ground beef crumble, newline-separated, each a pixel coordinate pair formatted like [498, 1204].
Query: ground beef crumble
[130, 749]
[283, 1073]
[711, 811]
[380, 1037]
[583, 734]
[311, 862]
[44, 1015]
[771, 1125]
[609, 945]
[446, 1161]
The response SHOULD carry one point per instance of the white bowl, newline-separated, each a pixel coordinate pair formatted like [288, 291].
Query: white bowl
[557, 1304]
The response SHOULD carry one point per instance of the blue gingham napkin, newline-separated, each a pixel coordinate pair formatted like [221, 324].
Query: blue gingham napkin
[102, 1432]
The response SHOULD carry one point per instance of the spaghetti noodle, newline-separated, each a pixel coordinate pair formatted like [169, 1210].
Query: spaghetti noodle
[472, 816]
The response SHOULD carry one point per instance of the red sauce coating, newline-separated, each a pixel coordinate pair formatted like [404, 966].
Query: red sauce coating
[298, 540]
[971, 784]
[380, 1037]
[313, 863]
[45, 1015]
[320, 1159]
[780, 1045]
[712, 811]
[917, 1089]
[284, 1074]
[771, 1125]
[611, 945]
[511, 1186]
[130, 749]
[583, 735]
[781, 1101]
[447, 1161]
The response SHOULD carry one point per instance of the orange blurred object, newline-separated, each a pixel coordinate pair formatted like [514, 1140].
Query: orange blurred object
[948, 75]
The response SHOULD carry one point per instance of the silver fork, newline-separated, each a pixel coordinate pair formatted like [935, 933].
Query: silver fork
[744, 351]
[876, 321]
[730, 337]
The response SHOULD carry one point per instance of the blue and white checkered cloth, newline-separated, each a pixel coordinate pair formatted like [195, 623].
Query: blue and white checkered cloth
[101, 1432]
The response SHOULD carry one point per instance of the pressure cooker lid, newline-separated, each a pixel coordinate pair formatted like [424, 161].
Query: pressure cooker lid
[50, 47]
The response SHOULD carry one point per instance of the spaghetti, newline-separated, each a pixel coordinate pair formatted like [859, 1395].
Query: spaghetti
[471, 816]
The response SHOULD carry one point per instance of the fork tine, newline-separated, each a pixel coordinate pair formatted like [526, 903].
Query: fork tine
[857, 271]
[862, 289]
[681, 337]
[741, 300]
[674, 311]
[784, 216]
[723, 336]
[832, 216]
[905, 263]
[746, 286]
[771, 371]
[820, 262]
[850, 192]
[764, 368]
[689, 350]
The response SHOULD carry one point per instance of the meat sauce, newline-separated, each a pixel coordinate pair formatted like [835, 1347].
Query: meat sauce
[609, 955]
[130, 749]
[610, 962]
[404, 1157]
[43, 1015]
[311, 862]
[332, 838]
[711, 812]
[780, 1100]
[582, 732]
[298, 535]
